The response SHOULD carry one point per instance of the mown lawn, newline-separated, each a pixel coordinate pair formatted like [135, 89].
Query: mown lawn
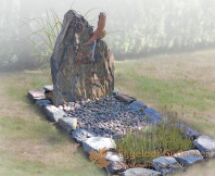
[182, 83]
[29, 145]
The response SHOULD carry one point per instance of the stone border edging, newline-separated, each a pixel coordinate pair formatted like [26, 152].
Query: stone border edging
[204, 146]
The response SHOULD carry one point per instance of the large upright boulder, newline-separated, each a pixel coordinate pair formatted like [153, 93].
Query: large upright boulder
[82, 66]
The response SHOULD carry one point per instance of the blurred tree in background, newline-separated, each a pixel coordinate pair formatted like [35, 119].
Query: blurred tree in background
[28, 28]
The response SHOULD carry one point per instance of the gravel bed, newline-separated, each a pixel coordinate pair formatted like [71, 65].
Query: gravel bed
[106, 117]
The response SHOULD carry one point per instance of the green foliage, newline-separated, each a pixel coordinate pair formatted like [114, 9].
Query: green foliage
[140, 147]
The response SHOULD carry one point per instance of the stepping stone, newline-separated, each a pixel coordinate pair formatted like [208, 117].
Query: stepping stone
[68, 124]
[53, 113]
[141, 172]
[43, 103]
[137, 106]
[116, 167]
[114, 157]
[206, 146]
[123, 97]
[81, 135]
[188, 157]
[36, 95]
[166, 165]
[98, 143]
[152, 115]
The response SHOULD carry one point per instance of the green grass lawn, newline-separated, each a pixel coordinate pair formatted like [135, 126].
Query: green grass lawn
[181, 83]
[29, 145]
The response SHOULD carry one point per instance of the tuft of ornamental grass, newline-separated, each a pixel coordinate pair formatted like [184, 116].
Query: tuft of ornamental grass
[142, 146]
[44, 38]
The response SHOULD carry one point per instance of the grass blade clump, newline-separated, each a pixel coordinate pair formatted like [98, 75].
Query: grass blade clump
[141, 146]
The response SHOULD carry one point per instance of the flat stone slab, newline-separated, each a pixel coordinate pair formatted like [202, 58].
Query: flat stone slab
[166, 165]
[124, 97]
[37, 94]
[48, 88]
[141, 172]
[206, 146]
[152, 115]
[68, 124]
[53, 113]
[188, 157]
[98, 143]
[43, 103]
[114, 157]
[189, 132]
[81, 135]
[116, 167]
[137, 106]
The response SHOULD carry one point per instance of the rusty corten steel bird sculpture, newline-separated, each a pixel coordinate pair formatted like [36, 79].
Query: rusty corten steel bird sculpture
[99, 33]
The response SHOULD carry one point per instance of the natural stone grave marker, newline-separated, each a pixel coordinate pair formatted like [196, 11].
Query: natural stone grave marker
[82, 66]
[81, 101]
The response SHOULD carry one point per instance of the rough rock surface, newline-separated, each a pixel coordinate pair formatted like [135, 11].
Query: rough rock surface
[48, 88]
[35, 95]
[53, 113]
[81, 135]
[114, 157]
[166, 165]
[98, 143]
[188, 157]
[124, 97]
[68, 124]
[188, 132]
[43, 103]
[141, 172]
[116, 167]
[206, 146]
[137, 106]
[80, 70]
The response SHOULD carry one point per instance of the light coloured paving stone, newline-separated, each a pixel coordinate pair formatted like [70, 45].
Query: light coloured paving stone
[123, 97]
[166, 165]
[152, 115]
[206, 146]
[98, 143]
[114, 157]
[116, 167]
[53, 113]
[81, 135]
[48, 88]
[43, 103]
[68, 124]
[137, 106]
[37, 94]
[188, 157]
[141, 172]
